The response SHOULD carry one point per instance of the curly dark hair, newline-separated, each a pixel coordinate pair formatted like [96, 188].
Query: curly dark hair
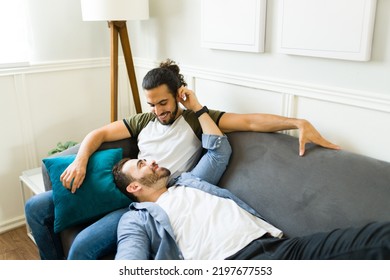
[168, 73]
[121, 179]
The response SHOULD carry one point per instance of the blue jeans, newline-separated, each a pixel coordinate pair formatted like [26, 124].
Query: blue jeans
[94, 242]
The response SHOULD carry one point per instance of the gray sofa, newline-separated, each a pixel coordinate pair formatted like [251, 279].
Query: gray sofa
[323, 190]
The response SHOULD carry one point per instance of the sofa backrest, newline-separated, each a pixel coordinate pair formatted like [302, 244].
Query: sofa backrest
[323, 190]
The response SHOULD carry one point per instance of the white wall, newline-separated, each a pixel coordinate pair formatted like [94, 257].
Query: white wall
[174, 31]
[43, 105]
[65, 93]
[58, 32]
[348, 101]
[62, 96]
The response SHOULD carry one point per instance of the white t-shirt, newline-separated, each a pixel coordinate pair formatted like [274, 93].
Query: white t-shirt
[208, 227]
[177, 146]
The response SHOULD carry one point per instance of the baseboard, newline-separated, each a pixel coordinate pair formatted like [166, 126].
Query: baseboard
[12, 224]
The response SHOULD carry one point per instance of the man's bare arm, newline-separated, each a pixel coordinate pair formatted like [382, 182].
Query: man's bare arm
[74, 174]
[230, 122]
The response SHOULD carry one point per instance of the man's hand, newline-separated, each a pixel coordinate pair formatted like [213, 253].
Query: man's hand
[308, 134]
[188, 98]
[73, 176]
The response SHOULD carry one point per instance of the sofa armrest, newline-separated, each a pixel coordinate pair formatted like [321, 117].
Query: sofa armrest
[129, 146]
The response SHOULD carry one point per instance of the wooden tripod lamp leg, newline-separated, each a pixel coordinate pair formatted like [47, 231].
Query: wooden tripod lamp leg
[118, 28]
[129, 64]
[114, 70]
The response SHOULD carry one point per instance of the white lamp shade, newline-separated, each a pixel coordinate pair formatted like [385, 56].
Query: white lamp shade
[111, 10]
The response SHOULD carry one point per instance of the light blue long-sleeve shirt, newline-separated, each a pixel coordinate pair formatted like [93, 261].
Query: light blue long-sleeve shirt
[145, 231]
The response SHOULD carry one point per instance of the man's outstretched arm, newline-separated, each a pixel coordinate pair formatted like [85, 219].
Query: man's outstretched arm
[230, 122]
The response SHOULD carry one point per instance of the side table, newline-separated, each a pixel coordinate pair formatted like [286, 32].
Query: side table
[31, 183]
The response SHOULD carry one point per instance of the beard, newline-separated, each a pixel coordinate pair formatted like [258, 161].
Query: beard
[172, 117]
[161, 173]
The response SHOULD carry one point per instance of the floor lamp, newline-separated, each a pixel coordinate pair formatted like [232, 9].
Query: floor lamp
[116, 13]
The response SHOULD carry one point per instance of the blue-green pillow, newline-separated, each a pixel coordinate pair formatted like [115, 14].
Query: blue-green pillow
[97, 196]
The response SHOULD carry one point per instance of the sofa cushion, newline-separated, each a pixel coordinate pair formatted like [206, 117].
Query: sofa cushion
[97, 195]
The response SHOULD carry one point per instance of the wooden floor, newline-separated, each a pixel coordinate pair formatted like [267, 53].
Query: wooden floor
[16, 245]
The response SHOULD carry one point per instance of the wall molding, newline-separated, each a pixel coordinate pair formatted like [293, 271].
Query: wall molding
[350, 97]
[363, 99]
[54, 66]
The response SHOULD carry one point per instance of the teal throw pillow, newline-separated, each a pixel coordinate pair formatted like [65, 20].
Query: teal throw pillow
[97, 196]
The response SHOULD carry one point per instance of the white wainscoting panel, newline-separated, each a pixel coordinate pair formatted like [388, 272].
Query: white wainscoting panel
[60, 101]
[358, 121]
[237, 98]
[65, 105]
[42, 105]
[360, 130]
[12, 152]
